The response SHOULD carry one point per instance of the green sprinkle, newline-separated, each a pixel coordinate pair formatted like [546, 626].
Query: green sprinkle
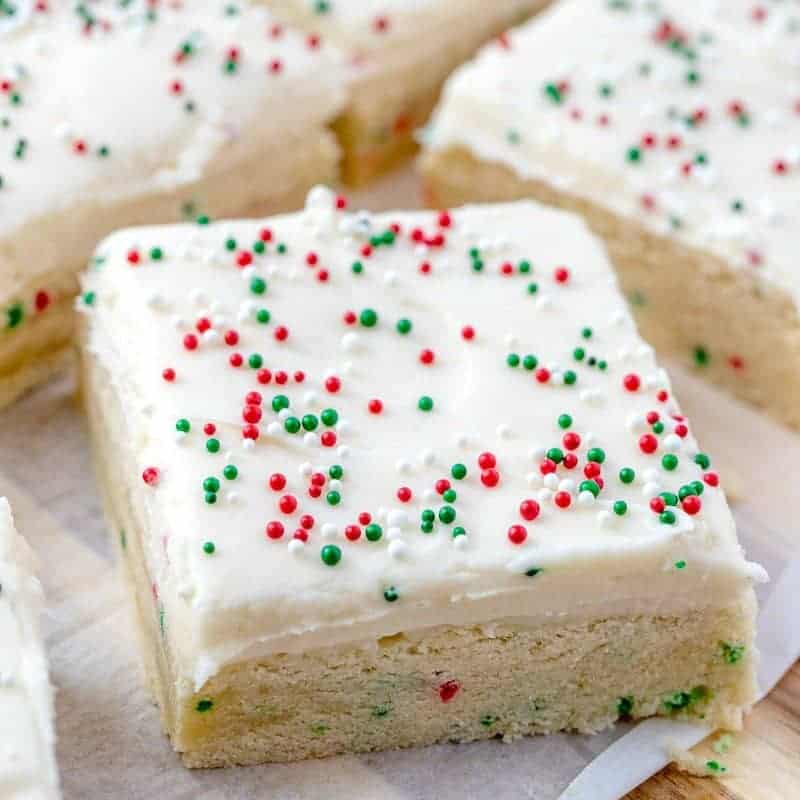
[310, 422]
[627, 475]
[555, 454]
[331, 555]
[589, 486]
[458, 471]
[357, 267]
[390, 594]
[570, 377]
[204, 705]
[667, 517]
[89, 298]
[230, 472]
[209, 548]
[211, 484]
[634, 155]
[701, 356]
[596, 454]
[670, 498]
[14, 315]
[373, 532]
[579, 354]
[333, 497]
[669, 461]
[183, 425]
[487, 720]
[715, 767]
[732, 653]
[625, 706]
[263, 316]
[279, 402]
[425, 403]
[212, 445]
[336, 472]
[530, 362]
[532, 288]
[403, 326]
[459, 531]
[210, 498]
[620, 508]
[255, 360]
[383, 709]
[702, 461]
[292, 424]
[258, 285]
[680, 564]
[564, 421]
[156, 254]
[447, 514]
[428, 515]
[449, 496]
[512, 359]
[524, 266]
[329, 417]
[368, 318]
[533, 572]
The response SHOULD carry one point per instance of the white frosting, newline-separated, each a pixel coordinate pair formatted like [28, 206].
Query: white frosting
[27, 763]
[118, 81]
[257, 595]
[620, 84]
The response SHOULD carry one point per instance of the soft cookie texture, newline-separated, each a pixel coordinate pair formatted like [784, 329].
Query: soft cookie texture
[399, 55]
[673, 128]
[405, 478]
[27, 760]
[114, 114]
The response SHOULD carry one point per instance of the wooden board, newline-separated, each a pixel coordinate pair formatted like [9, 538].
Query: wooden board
[763, 762]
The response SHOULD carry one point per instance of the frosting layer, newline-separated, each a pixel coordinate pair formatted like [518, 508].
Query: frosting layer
[340, 426]
[27, 763]
[663, 112]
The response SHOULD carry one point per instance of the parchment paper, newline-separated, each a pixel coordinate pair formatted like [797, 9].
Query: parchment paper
[110, 743]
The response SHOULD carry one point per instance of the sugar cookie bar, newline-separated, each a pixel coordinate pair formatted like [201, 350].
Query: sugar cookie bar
[27, 760]
[405, 478]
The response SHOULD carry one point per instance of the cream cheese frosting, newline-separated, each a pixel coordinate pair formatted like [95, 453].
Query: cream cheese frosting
[338, 426]
[106, 101]
[27, 763]
[678, 115]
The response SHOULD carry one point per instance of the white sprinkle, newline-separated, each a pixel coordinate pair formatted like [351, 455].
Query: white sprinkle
[544, 302]
[586, 498]
[462, 439]
[390, 278]
[510, 340]
[461, 542]
[248, 444]
[537, 453]
[605, 518]
[344, 427]
[397, 518]
[233, 497]
[393, 533]
[403, 466]
[504, 431]
[310, 398]
[305, 468]
[329, 530]
[397, 549]
[274, 428]
[311, 439]
[566, 485]
[198, 297]
[533, 479]
[296, 546]
[550, 480]
[350, 342]
[335, 485]
[671, 442]
[544, 495]
[651, 490]
[343, 451]
[651, 474]
[427, 457]
[428, 494]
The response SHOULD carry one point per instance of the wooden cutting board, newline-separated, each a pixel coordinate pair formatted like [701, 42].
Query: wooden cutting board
[763, 762]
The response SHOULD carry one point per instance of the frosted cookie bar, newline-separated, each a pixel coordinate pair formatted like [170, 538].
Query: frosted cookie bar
[678, 142]
[406, 478]
[27, 761]
[113, 114]
[400, 54]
